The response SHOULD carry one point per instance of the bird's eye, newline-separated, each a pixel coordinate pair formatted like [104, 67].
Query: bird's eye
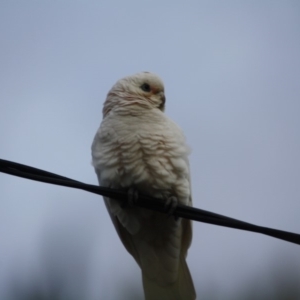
[145, 87]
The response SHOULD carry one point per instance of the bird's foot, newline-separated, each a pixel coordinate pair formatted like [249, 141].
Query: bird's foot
[132, 198]
[171, 205]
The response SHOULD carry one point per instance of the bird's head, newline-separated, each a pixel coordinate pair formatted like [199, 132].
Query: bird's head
[140, 91]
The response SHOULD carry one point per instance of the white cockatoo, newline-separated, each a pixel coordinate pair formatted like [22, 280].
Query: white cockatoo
[138, 148]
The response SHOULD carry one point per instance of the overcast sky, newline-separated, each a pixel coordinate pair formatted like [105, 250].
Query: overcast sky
[231, 71]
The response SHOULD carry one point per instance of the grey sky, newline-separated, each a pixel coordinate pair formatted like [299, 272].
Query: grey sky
[231, 71]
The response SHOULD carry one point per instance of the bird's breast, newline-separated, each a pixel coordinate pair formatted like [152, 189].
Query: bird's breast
[146, 155]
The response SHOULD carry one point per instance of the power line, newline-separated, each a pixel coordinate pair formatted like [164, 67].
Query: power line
[144, 201]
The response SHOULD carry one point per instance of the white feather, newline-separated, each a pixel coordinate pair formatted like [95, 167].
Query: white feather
[138, 146]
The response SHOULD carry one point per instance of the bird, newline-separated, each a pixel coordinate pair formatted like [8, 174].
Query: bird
[137, 148]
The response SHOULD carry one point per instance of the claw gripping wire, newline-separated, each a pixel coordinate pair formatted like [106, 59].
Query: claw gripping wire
[181, 211]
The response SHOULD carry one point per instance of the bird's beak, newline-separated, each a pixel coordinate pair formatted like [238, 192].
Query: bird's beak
[163, 100]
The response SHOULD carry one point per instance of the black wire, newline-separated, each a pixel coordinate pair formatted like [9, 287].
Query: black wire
[182, 211]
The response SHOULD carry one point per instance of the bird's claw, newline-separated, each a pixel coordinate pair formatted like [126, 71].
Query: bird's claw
[132, 198]
[171, 205]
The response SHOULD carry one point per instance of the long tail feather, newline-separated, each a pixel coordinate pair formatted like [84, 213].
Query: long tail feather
[182, 289]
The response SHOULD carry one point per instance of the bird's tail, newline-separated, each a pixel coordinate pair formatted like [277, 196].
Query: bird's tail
[181, 289]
